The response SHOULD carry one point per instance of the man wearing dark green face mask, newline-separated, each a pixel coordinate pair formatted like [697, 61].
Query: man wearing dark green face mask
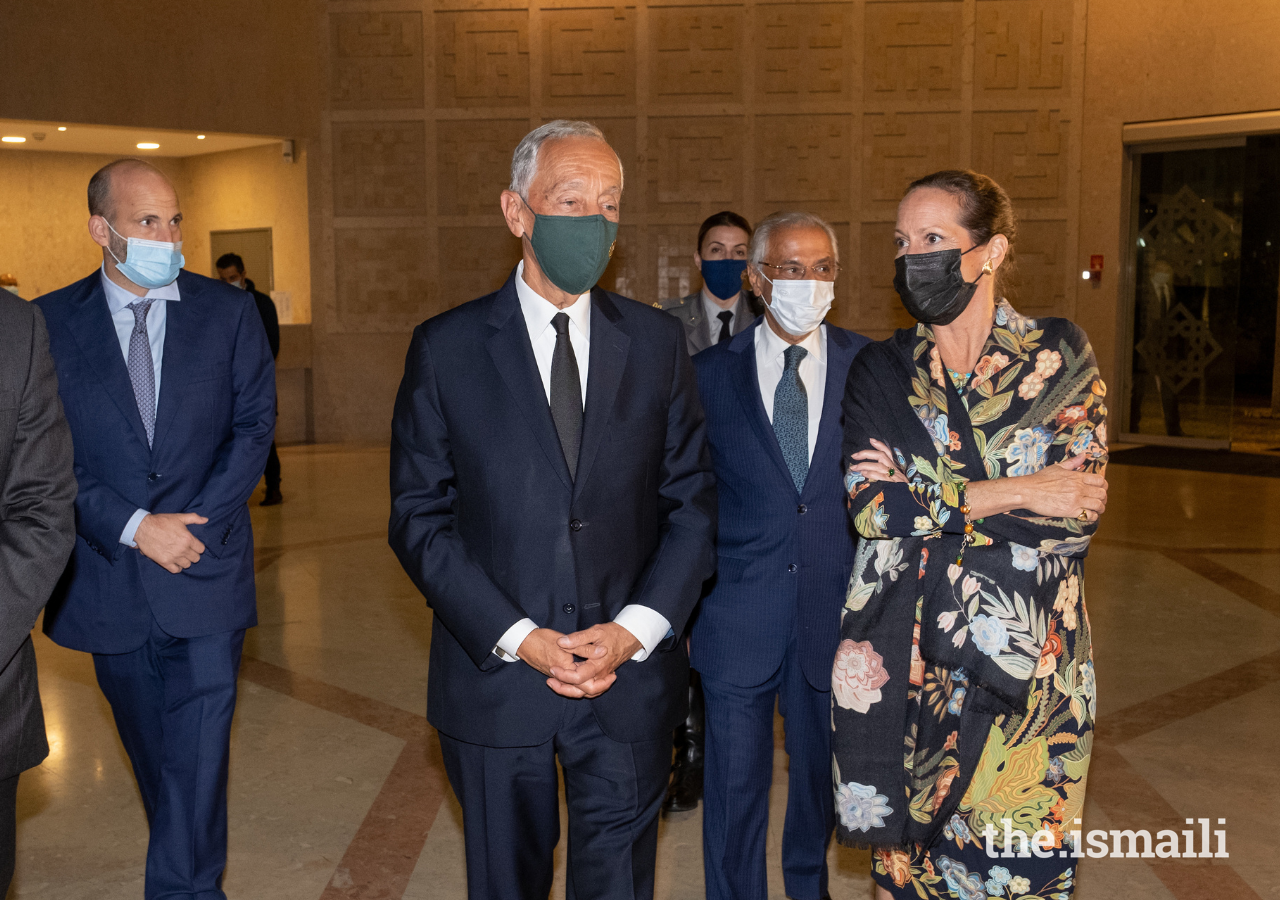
[552, 498]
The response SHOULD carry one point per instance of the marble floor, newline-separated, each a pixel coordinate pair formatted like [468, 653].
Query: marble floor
[337, 790]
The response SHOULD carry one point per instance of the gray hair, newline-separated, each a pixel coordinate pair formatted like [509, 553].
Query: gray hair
[781, 220]
[524, 162]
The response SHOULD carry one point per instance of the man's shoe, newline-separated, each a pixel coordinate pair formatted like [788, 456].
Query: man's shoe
[685, 790]
[273, 498]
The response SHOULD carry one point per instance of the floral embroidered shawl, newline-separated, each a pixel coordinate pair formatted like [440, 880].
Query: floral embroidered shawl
[1034, 399]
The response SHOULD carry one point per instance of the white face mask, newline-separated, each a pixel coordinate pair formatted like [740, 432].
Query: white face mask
[800, 306]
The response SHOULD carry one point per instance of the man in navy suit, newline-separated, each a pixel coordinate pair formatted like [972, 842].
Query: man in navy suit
[552, 498]
[169, 389]
[769, 627]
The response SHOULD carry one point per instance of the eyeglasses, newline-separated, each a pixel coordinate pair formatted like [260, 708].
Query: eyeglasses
[792, 272]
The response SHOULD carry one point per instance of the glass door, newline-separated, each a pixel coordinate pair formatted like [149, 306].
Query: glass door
[1186, 230]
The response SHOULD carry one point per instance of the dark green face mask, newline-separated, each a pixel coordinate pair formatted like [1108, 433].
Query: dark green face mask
[573, 251]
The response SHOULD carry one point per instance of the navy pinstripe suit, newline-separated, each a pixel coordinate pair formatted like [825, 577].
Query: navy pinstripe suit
[770, 624]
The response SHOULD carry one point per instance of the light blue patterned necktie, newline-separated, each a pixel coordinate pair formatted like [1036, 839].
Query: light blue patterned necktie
[791, 417]
[142, 368]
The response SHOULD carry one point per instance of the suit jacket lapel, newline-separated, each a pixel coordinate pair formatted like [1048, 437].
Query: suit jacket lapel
[700, 330]
[747, 383]
[95, 333]
[181, 353]
[604, 374]
[830, 432]
[512, 355]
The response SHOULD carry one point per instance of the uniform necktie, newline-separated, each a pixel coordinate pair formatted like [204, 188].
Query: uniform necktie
[791, 417]
[142, 368]
[566, 393]
[725, 318]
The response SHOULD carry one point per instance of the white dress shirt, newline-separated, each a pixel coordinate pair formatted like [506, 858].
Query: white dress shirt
[813, 372]
[118, 300]
[711, 310]
[647, 625]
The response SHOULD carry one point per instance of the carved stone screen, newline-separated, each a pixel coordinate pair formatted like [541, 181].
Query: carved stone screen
[751, 106]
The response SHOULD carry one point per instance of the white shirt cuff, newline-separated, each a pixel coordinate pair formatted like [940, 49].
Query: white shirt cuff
[131, 527]
[509, 644]
[648, 626]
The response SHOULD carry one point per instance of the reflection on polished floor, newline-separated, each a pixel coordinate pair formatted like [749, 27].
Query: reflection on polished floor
[337, 790]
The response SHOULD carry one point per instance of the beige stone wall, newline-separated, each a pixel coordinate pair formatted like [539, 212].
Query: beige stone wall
[44, 215]
[755, 106]
[1154, 60]
[252, 188]
[408, 111]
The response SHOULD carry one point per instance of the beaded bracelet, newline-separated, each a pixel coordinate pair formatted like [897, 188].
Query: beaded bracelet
[968, 531]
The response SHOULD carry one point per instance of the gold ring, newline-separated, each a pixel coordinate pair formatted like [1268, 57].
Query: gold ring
[1084, 515]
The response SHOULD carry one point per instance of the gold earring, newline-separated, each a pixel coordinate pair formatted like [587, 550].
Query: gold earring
[986, 268]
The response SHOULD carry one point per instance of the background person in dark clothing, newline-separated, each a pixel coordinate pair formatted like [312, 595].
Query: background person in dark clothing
[37, 530]
[231, 270]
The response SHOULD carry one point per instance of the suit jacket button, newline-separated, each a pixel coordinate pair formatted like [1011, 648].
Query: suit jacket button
[153, 477]
[802, 509]
[575, 525]
[792, 567]
[568, 608]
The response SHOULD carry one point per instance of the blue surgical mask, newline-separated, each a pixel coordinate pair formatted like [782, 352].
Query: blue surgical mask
[148, 264]
[723, 277]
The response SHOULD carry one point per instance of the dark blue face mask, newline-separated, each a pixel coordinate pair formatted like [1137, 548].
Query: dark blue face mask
[723, 277]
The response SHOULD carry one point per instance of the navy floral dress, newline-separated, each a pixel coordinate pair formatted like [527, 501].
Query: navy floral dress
[963, 690]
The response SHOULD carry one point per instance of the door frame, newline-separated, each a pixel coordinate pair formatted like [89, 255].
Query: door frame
[1163, 136]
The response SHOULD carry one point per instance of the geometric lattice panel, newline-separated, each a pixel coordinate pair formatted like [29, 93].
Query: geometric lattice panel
[383, 277]
[914, 53]
[1039, 286]
[589, 54]
[694, 165]
[1025, 151]
[677, 274]
[806, 51]
[901, 147]
[379, 168]
[695, 54]
[1023, 50]
[803, 159]
[473, 163]
[880, 310]
[482, 58]
[375, 60]
[474, 261]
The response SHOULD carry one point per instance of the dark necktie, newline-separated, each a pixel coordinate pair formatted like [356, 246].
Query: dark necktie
[791, 417]
[566, 393]
[725, 318]
[142, 368]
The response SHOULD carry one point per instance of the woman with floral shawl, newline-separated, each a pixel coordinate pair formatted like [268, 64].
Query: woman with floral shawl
[963, 688]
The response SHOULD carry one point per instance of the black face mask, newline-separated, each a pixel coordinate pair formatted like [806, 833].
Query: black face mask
[931, 286]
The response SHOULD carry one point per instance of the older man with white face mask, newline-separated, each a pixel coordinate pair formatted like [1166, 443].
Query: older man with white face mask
[768, 630]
